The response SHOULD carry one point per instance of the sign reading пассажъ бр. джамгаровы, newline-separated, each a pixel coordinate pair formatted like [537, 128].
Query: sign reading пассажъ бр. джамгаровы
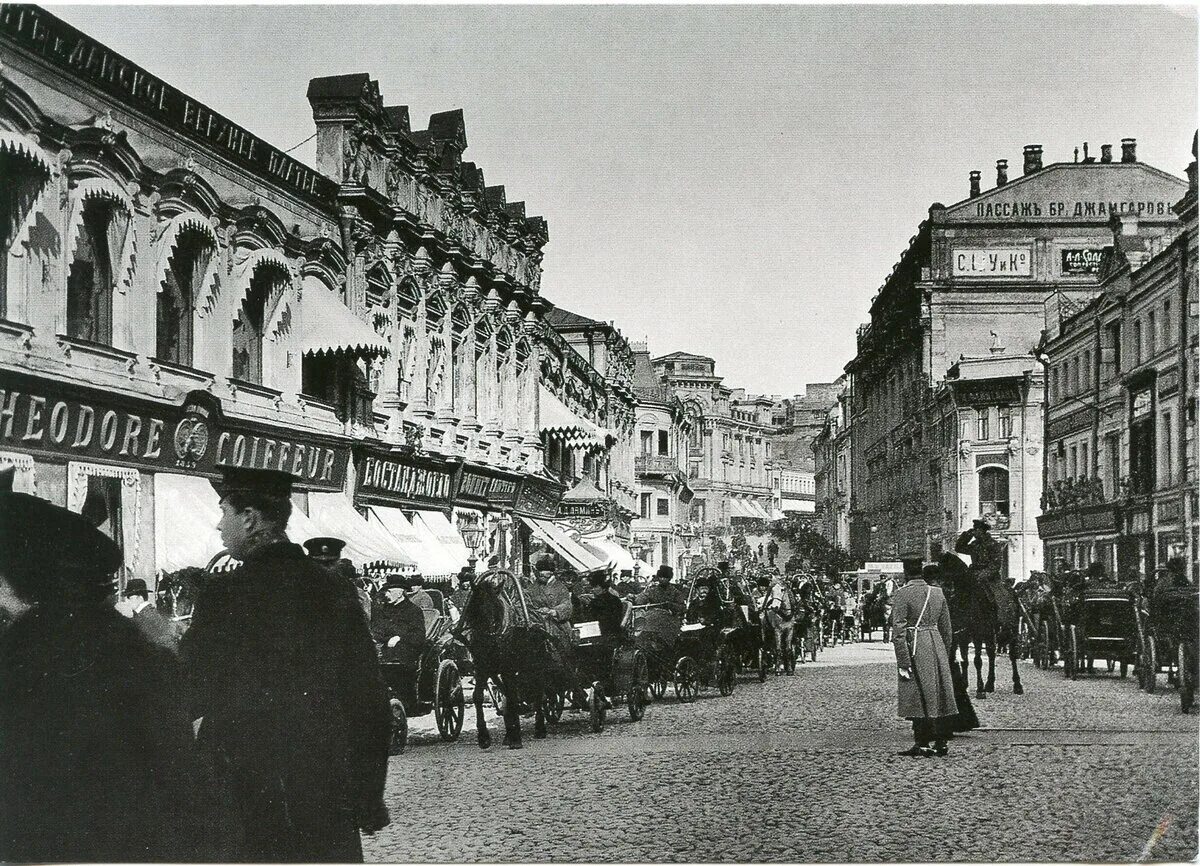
[66, 421]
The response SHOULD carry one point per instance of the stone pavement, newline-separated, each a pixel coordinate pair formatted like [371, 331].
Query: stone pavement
[804, 768]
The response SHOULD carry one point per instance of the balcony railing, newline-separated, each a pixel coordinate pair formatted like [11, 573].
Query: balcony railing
[647, 464]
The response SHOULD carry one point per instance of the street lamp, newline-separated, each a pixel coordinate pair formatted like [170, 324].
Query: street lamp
[471, 531]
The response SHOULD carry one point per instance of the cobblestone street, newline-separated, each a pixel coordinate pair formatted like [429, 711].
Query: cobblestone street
[805, 768]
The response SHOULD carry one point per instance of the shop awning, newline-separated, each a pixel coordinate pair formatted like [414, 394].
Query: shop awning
[434, 562]
[579, 557]
[186, 513]
[367, 544]
[327, 326]
[438, 526]
[737, 508]
[558, 419]
[776, 514]
[758, 510]
[619, 559]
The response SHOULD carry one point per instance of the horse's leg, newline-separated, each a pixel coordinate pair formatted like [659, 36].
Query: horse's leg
[979, 690]
[1018, 689]
[512, 710]
[539, 707]
[481, 729]
[990, 644]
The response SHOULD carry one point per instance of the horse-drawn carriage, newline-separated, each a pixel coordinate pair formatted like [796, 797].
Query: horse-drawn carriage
[433, 685]
[711, 636]
[1169, 620]
[1105, 629]
[612, 668]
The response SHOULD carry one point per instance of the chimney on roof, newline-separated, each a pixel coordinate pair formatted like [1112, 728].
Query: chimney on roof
[975, 175]
[1001, 172]
[1106, 153]
[1128, 150]
[1087, 158]
[1033, 158]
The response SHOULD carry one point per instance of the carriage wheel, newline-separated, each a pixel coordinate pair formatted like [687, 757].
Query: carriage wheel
[596, 708]
[1150, 678]
[1187, 677]
[762, 665]
[450, 706]
[687, 680]
[726, 674]
[636, 699]
[497, 697]
[399, 727]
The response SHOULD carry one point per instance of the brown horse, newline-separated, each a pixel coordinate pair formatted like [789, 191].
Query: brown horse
[510, 648]
[984, 613]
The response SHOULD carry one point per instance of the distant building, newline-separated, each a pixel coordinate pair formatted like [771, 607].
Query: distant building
[661, 531]
[729, 449]
[964, 305]
[831, 474]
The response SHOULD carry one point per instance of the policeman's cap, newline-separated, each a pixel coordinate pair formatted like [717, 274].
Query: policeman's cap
[324, 547]
[263, 482]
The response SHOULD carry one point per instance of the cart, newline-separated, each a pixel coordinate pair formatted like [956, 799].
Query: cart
[1107, 630]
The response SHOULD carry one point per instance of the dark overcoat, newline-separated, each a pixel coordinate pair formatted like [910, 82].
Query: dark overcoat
[402, 619]
[670, 595]
[920, 640]
[94, 741]
[296, 721]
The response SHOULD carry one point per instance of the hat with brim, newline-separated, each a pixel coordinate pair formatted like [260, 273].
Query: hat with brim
[263, 482]
[665, 572]
[43, 541]
[136, 586]
[324, 547]
[912, 566]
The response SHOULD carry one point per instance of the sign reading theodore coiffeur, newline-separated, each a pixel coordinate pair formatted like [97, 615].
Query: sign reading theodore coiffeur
[70, 422]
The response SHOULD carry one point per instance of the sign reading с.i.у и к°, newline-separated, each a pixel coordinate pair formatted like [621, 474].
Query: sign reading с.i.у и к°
[992, 262]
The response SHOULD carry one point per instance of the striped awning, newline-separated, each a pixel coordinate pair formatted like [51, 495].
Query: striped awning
[558, 420]
[367, 544]
[327, 327]
[580, 557]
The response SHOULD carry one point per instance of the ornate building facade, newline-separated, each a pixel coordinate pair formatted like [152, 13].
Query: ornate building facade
[831, 476]
[729, 448]
[177, 296]
[976, 277]
[1120, 464]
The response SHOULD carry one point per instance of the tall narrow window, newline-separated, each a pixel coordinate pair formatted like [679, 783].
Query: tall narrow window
[647, 442]
[1006, 414]
[663, 445]
[1087, 370]
[1152, 335]
[982, 429]
[249, 328]
[1168, 450]
[23, 181]
[645, 506]
[176, 302]
[993, 491]
[1137, 341]
[1168, 334]
[1085, 466]
[102, 506]
[90, 281]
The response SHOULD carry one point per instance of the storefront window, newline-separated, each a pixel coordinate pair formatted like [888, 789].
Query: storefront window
[90, 281]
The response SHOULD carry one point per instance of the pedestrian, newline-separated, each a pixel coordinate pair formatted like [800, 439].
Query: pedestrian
[282, 671]
[920, 634]
[94, 738]
[145, 615]
[966, 719]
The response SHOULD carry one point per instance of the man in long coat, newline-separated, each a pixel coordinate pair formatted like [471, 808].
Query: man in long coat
[925, 689]
[663, 592]
[282, 670]
[94, 741]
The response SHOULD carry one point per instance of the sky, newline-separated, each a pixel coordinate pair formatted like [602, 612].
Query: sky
[735, 181]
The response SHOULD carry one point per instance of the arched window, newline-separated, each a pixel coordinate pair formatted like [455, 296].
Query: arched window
[176, 304]
[22, 179]
[91, 280]
[249, 328]
[993, 491]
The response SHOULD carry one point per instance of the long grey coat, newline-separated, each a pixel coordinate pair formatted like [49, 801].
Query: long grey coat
[930, 691]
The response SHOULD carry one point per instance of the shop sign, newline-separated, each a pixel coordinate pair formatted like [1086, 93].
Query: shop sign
[1080, 419]
[538, 498]
[1142, 404]
[71, 422]
[1168, 382]
[983, 393]
[401, 478]
[83, 58]
[993, 262]
[480, 486]
[1078, 262]
[585, 508]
